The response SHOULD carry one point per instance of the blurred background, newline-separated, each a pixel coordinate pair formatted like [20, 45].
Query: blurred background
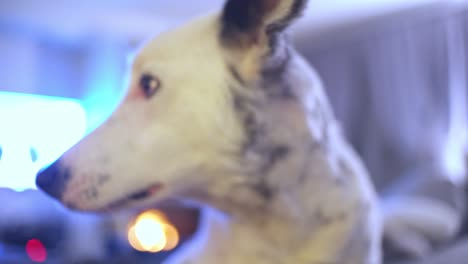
[395, 72]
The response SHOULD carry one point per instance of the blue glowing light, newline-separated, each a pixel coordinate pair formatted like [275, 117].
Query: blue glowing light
[34, 132]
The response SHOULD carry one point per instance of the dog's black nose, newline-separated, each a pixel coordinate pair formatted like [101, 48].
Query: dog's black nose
[53, 180]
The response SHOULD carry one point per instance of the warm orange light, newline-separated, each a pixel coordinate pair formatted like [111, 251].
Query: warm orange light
[152, 232]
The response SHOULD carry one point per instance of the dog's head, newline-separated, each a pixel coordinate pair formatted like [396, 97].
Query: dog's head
[179, 123]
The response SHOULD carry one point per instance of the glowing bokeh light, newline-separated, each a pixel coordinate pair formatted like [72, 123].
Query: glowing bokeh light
[152, 232]
[36, 251]
[34, 132]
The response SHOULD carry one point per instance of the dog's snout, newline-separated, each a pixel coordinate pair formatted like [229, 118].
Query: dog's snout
[53, 179]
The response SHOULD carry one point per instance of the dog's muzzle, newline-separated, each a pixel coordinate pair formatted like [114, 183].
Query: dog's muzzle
[53, 180]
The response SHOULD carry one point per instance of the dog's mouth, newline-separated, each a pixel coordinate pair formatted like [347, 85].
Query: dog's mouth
[135, 197]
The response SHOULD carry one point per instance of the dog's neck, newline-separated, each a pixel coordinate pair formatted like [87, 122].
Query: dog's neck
[279, 143]
[275, 218]
[288, 160]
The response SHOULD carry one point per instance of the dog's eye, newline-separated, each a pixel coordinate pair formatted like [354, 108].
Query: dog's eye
[149, 84]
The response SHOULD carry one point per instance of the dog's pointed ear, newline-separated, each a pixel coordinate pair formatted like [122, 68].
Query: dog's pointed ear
[255, 22]
[249, 30]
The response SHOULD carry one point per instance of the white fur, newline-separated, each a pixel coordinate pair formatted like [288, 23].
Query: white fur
[189, 137]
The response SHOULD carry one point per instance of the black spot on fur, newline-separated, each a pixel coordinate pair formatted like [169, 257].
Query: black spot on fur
[252, 128]
[264, 190]
[256, 138]
[245, 109]
[235, 73]
[272, 155]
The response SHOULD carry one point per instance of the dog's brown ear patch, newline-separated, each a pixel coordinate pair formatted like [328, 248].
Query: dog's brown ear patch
[246, 21]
